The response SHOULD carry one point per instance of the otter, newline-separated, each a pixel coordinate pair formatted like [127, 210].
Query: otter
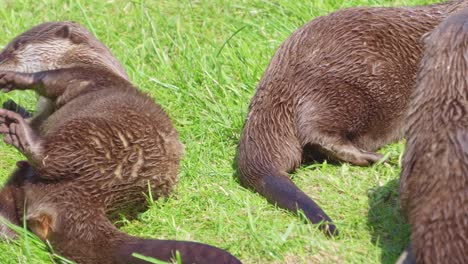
[96, 145]
[98, 127]
[434, 176]
[337, 88]
[80, 229]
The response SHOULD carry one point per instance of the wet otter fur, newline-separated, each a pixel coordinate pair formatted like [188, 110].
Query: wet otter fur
[101, 129]
[12, 198]
[337, 88]
[80, 230]
[95, 148]
[434, 177]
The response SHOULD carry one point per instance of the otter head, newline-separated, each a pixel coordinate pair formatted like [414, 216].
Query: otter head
[82, 234]
[57, 45]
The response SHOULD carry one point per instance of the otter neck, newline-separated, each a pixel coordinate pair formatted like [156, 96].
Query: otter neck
[95, 58]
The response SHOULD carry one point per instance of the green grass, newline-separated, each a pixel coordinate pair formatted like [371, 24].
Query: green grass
[201, 60]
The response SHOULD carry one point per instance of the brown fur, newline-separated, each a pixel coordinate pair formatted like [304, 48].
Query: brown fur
[338, 87]
[434, 177]
[117, 144]
[97, 149]
[80, 230]
[12, 198]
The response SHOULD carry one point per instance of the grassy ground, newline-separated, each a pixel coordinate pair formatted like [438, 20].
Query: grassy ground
[201, 60]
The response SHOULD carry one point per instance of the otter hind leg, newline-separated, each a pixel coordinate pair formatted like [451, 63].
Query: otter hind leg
[263, 162]
[19, 134]
[337, 147]
[350, 153]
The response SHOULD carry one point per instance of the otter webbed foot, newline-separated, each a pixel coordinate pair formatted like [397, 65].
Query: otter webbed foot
[353, 155]
[18, 132]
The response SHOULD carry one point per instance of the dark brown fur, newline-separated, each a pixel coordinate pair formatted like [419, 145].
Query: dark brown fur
[103, 134]
[100, 145]
[12, 198]
[434, 177]
[80, 230]
[338, 86]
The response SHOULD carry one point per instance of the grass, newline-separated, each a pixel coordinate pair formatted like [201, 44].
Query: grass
[201, 60]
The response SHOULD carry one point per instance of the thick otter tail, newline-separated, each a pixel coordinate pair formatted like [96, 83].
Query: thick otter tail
[165, 250]
[264, 158]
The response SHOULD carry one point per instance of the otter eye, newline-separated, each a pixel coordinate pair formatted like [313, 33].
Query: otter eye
[18, 44]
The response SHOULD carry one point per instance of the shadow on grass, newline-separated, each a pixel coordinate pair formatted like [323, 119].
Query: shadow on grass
[388, 227]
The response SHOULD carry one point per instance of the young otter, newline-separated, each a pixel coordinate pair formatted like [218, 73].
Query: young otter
[120, 142]
[99, 145]
[434, 177]
[337, 87]
[79, 229]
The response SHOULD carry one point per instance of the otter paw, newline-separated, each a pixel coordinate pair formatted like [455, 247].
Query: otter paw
[371, 157]
[17, 132]
[14, 80]
[357, 157]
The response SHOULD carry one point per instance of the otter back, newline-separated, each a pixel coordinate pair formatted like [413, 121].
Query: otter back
[434, 177]
[338, 87]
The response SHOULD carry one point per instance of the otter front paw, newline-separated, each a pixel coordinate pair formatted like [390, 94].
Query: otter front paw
[15, 80]
[19, 133]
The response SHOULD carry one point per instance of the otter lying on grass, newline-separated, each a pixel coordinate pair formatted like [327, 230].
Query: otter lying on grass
[95, 147]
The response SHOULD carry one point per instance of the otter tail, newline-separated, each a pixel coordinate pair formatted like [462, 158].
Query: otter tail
[166, 250]
[265, 154]
[280, 190]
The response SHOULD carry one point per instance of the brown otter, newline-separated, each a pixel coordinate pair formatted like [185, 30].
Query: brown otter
[434, 176]
[121, 140]
[96, 146]
[79, 229]
[338, 87]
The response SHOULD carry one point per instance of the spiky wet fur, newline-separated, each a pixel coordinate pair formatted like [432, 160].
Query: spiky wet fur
[338, 86]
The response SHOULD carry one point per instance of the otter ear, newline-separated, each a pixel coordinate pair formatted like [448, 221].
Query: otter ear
[63, 32]
[41, 225]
